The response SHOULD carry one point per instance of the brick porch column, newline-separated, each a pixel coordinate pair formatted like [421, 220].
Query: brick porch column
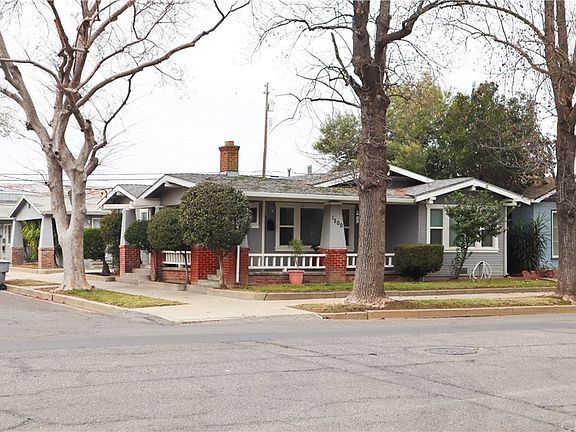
[46, 244]
[230, 263]
[17, 243]
[333, 243]
[156, 258]
[335, 263]
[129, 255]
[203, 262]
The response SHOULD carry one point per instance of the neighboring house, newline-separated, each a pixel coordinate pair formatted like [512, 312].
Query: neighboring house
[38, 208]
[543, 198]
[322, 211]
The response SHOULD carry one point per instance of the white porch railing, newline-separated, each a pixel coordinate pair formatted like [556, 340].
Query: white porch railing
[279, 261]
[175, 258]
[352, 258]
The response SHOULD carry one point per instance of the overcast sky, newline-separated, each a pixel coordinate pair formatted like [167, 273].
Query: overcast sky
[178, 128]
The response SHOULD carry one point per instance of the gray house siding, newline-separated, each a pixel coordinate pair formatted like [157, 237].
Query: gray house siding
[401, 225]
[495, 259]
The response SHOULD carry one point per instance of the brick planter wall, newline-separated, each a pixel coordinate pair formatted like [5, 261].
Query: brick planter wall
[172, 274]
[17, 256]
[335, 263]
[46, 258]
[129, 259]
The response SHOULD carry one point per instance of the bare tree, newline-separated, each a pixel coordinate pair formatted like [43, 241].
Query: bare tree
[99, 47]
[540, 40]
[363, 36]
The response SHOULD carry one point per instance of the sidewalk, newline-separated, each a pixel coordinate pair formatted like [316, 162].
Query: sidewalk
[203, 307]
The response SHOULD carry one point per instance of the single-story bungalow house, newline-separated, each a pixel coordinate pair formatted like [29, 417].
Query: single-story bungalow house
[321, 210]
[543, 199]
[36, 207]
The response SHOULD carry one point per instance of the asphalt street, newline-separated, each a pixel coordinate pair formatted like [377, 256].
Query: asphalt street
[63, 369]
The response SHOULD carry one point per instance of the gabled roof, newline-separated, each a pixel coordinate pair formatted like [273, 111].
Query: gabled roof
[130, 191]
[541, 190]
[340, 177]
[443, 187]
[43, 206]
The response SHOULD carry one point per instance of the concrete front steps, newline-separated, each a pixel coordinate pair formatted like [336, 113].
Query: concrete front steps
[212, 281]
[141, 277]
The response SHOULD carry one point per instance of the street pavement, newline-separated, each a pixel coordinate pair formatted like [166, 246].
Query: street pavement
[63, 369]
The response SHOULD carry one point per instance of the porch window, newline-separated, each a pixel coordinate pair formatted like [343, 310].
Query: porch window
[286, 225]
[311, 225]
[346, 220]
[254, 209]
[555, 247]
[96, 222]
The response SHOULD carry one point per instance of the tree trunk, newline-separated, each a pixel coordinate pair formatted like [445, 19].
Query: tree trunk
[566, 207]
[105, 267]
[70, 227]
[185, 269]
[372, 184]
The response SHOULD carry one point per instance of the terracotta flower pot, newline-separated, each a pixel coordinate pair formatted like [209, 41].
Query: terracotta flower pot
[296, 276]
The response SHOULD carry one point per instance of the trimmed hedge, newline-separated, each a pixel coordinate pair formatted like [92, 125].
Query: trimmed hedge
[417, 259]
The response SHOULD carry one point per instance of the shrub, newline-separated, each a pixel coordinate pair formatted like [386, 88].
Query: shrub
[417, 260]
[95, 248]
[165, 233]
[527, 243]
[31, 237]
[111, 228]
[137, 235]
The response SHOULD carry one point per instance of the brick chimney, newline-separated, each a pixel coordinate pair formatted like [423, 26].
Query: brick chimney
[229, 158]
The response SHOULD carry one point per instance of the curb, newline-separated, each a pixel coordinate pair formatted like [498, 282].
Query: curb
[449, 313]
[253, 295]
[76, 302]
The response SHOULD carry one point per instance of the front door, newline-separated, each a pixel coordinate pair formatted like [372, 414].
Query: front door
[5, 232]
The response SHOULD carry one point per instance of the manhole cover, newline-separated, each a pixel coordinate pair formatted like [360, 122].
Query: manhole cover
[452, 350]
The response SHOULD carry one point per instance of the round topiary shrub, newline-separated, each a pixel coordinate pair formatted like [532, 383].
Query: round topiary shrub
[417, 259]
[137, 235]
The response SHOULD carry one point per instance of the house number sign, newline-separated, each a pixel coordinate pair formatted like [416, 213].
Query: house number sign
[337, 222]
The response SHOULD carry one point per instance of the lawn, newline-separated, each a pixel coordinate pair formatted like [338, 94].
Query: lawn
[29, 282]
[439, 304]
[410, 286]
[120, 299]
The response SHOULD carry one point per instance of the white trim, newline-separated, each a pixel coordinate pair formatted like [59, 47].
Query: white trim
[446, 232]
[543, 197]
[393, 168]
[110, 194]
[162, 181]
[472, 183]
[552, 213]
[351, 225]
[17, 207]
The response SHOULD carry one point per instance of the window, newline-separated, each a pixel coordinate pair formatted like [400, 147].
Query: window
[143, 214]
[286, 225]
[95, 222]
[555, 247]
[440, 231]
[346, 219]
[311, 225]
[436, 226]
[254, 209]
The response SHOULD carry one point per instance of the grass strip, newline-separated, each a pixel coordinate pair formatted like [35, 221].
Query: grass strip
[29, 282]
[115, 298]
[439, 304]
[410, 286]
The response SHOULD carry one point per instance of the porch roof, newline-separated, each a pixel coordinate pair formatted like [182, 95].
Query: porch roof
[128, 191]
[541, 190]
[43, 206]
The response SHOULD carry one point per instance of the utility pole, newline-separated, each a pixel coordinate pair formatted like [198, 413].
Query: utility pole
[266, 109]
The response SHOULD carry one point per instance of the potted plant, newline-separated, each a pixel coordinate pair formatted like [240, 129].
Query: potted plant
[296, 276]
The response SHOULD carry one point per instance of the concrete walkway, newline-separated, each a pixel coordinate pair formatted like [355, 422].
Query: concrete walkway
[202, 307]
